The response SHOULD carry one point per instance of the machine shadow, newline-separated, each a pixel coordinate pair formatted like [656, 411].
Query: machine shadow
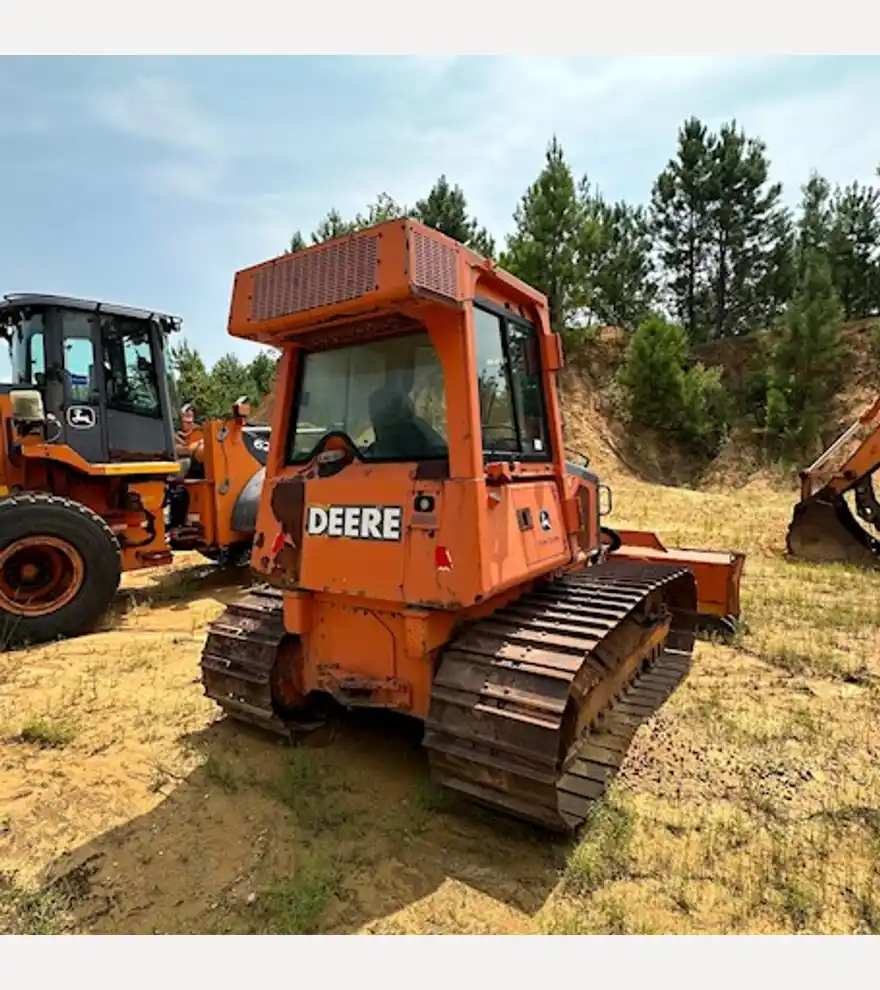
[347, 807]
[350, 801]
[179, 586]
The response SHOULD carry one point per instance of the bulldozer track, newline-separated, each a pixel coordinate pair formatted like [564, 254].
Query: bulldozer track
[534, 707]
[239, 656]
[511, 688]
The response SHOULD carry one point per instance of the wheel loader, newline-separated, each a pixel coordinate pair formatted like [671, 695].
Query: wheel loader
[823, 528]
[425, 546]
[89, 468]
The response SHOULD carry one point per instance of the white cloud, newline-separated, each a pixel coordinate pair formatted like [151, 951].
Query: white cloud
[485, 123]
[157, 110]
[192, 150]
[617, 120]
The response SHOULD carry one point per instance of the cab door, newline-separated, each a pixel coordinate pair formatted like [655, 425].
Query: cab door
[138, 415]
[80, 412]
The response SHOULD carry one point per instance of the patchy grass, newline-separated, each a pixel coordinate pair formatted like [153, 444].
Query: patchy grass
[748, 804]
[603, 854]
[48, 732]
[25, 911]
[296, 905]
[311, 788]
[221, 773]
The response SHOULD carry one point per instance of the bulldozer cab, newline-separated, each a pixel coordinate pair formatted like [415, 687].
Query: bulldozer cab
[420, 437]
[388, 396]
[101, 371]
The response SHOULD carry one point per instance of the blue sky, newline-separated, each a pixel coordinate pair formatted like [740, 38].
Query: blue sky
[150, 181]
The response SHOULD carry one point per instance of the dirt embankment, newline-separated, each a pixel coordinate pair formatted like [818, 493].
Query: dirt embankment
[598, 424]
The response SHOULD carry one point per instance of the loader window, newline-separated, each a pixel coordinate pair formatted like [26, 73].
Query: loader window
[79, 355]
[528, 395]
[386, 395]
[493, 380]
[509, 381]
[29, 353]
[129, 368]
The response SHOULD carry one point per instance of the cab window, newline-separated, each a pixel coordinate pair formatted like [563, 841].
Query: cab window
[129, 369]
[386, 395]
[512, 414]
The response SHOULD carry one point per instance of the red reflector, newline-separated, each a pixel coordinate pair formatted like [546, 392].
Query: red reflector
[442, 559]
[277, 543]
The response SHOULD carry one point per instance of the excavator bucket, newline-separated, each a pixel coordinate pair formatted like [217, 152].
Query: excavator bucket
[717, 573]
[823, 530]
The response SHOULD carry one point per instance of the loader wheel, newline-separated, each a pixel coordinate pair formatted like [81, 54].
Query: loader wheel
[60, 566]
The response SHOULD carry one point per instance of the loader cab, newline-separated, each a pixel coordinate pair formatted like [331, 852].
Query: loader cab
[422, 448]
[101, 371]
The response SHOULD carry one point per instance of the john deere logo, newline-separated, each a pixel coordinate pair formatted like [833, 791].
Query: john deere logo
[356, 522]
[81, 417]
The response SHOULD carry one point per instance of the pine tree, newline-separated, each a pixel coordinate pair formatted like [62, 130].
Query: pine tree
[618, 252]
[445, 209]
[332, 226]
[664, 393]
[680, 220]
[748, 225]
[229, 379]
[773, 274]
[261, 372]
[297, 243]
[191, 379]
[805, 362]
[382, 209]
[814, 222]
[853, 244]
[725, 239]
[546, 248]
[653, 373]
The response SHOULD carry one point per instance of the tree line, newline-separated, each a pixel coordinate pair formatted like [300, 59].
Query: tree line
[714, 252]
[212, 393]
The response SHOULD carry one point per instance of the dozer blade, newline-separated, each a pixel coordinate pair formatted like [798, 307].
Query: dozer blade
[823, 530]
[533, 708]
[718, 574]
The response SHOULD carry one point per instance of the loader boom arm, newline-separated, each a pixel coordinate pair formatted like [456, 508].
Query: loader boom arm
[864, 460]
[823, 528]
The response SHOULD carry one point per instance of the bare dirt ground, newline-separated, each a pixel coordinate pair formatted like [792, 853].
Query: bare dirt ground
[749, 803]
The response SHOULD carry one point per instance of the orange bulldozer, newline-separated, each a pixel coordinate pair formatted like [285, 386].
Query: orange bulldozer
[426, 545]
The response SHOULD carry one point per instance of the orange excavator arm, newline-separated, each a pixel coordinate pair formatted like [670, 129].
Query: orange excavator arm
[864, 460]
[823, 528]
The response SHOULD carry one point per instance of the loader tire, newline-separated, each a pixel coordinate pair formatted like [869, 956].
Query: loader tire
[60, 567]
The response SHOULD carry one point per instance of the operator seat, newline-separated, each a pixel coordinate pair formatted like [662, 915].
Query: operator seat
[400, 434]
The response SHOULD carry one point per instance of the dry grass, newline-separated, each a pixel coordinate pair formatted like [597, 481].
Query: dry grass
[750, 802]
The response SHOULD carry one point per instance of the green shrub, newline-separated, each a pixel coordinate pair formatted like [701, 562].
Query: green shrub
[665, 394]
